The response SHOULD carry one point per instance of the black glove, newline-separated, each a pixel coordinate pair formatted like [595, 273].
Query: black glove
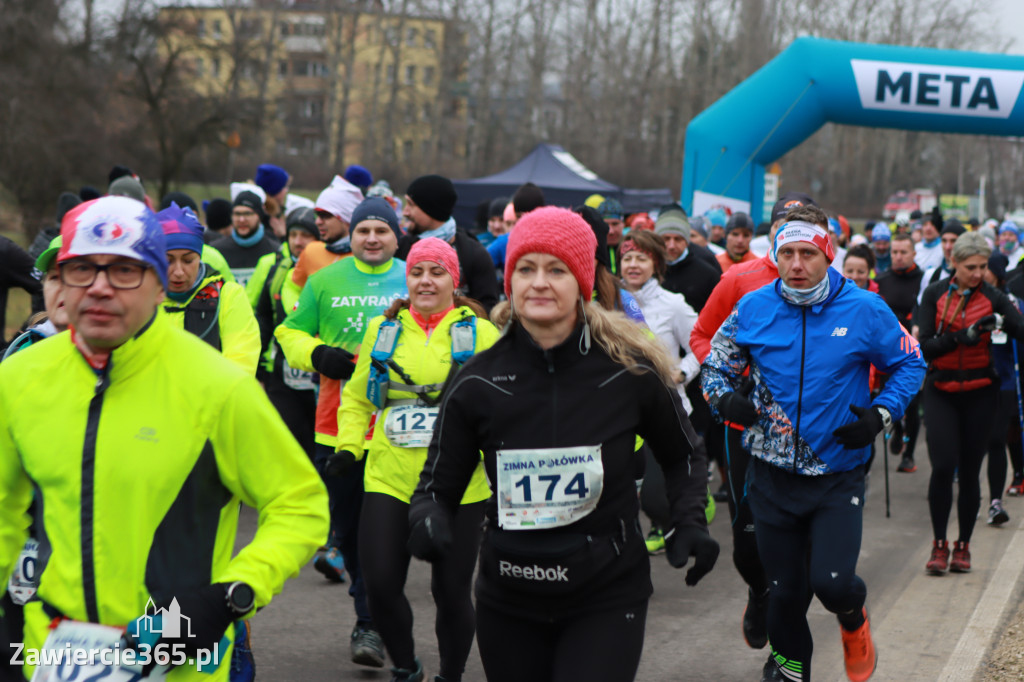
[861, 433]
[430, 538]
[736, 407]
[335, 363]
[972, 335]
[683, 542]
[209, 617]
[338, 463]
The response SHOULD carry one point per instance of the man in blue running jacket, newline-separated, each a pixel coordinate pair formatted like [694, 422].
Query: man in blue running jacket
[809, 339]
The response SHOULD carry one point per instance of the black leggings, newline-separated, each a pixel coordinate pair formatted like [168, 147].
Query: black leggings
[1005, 434]
[909, 426]
[297, 410]
[383, 531]
[744, 541]
[602, 646]
[958, 429]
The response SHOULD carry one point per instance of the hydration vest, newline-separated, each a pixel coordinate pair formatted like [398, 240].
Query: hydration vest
[202, 312]
[463, 336]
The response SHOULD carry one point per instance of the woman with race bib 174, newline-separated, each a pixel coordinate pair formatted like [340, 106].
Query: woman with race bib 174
[556, 406]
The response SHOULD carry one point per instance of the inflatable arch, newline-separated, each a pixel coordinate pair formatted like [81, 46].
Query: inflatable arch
[815, 81]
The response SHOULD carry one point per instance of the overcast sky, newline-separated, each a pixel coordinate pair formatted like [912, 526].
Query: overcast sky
[1010, 14]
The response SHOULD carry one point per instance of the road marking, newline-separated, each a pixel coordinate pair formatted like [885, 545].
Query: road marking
[978, 636]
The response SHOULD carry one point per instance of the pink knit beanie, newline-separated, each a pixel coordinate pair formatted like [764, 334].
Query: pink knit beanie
[436, 251]
[560, 233]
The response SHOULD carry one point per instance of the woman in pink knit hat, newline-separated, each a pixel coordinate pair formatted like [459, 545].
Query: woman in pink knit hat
[555, 407]
[407, 356]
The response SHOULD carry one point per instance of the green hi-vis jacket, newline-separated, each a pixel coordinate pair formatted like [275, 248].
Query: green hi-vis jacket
[138, 471]
[392, 469]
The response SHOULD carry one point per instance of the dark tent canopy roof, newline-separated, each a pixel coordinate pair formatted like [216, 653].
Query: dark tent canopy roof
[565, 181]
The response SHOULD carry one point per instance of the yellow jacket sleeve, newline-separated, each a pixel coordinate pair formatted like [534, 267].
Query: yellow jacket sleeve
[260, 462]
[15, 493]
[297, 334]
[239, 332]
[254, 287]
[356, 409]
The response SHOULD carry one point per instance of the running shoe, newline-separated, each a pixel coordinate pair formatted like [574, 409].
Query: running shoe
[778, 669]
[939, 561]
[368, 648]
[755, 620]
[709, 509]
[907, 465]
[406, 675]
[961, 562]
[859, 653]
[243, 665]
[997, 516]
[655, 541]
[722, 494]
[771, 672]
[1016, 487]
[331, 565]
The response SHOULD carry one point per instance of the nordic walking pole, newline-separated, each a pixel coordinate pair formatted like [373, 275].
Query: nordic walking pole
[885, 462]
[1016, 385]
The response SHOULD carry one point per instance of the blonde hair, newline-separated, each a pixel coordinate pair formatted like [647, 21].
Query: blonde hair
[625, 341]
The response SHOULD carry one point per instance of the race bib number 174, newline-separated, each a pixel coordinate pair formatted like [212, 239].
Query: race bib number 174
[548, 488]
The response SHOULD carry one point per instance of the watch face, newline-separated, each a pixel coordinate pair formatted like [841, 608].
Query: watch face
[242, 597]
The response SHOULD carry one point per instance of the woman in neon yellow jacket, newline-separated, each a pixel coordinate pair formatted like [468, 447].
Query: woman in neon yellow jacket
[199, 298]
[407, 356]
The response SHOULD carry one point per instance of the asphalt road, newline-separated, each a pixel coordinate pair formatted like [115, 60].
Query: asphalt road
[925, 628]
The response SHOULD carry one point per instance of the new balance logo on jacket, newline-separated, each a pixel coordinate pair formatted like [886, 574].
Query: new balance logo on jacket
[839, 331]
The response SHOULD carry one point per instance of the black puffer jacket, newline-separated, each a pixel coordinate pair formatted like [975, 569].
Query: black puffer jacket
[516, 396]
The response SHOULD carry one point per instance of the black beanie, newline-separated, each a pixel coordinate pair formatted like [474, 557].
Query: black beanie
[952, 226]
[739, 221]
[88, 193]
[65, 202]
[527, 198]
[600, 228]
[249, 200]
[302, 218]
[118, 172]
[497, 207]
[218, 214]
[435, 194]
[181, 199]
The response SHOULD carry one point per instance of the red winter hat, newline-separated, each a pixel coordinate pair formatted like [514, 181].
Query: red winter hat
[436, 251]
[558, 232]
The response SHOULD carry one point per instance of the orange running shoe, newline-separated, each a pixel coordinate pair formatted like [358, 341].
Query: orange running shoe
[859, 651]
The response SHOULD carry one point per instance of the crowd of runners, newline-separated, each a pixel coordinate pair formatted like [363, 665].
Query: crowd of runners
[547, 398]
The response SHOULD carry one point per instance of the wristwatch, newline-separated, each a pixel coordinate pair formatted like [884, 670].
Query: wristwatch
[886, 417]
[240, 598]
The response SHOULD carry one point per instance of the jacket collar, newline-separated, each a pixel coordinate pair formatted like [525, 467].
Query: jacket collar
[136, 352]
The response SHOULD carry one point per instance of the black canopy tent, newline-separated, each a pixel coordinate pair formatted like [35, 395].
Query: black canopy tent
[565, 181]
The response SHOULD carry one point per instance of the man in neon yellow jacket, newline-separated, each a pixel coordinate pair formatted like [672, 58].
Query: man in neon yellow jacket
[139, 441]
